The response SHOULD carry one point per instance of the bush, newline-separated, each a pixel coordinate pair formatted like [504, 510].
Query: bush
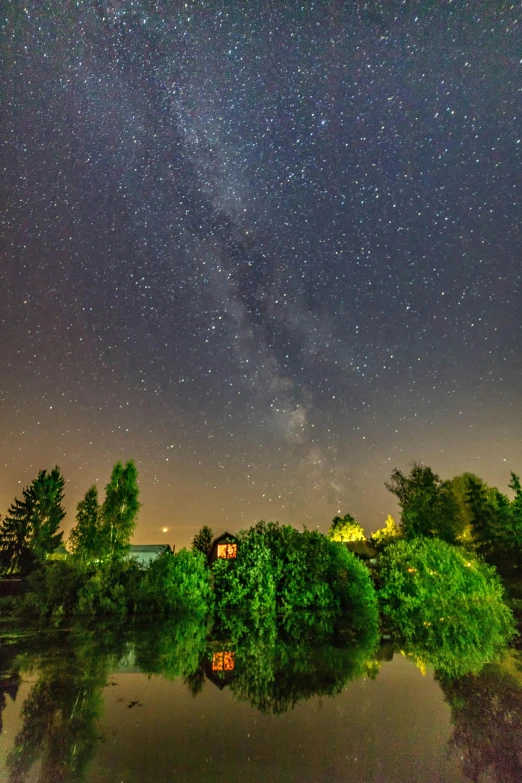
[177, 583]
[302, 579]
[445, 606]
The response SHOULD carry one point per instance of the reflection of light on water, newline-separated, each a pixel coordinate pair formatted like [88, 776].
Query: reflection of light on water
[223, 661]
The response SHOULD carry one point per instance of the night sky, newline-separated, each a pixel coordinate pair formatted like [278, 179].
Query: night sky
[268, 250]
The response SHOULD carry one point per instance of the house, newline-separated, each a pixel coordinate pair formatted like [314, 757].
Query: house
[144, 554]
[365, 550]
[223, 548]
[60, 553]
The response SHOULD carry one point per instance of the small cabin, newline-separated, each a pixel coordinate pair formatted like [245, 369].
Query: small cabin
[223, 548]
[144, 554]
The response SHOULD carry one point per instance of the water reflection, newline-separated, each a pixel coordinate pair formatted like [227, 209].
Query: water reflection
[487, 716]
[60, 716]
[272, 672]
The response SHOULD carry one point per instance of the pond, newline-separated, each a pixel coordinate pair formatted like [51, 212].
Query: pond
[164, 703]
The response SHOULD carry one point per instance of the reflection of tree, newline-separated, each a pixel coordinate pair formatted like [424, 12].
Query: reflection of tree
[487, 713]
[9, 677]
[174, 648]
[277, 675]
[61, 713]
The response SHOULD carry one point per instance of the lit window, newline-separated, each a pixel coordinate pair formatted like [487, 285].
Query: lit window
[227, 551]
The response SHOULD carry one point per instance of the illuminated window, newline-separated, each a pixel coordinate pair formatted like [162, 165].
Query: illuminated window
[223, 662]
[227, 551]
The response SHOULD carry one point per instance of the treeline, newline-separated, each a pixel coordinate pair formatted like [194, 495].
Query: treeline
[429, 585]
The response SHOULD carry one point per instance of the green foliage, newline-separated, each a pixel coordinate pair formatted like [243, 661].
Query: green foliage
[245, 587]
[387, 534]
[176, 583]
[119, 511]
[428, 505]
[62, 589]
[300, 578]
[345, 529]
[112, 589]
[85, 540]
[447, 610]
[496, 522]
[202, 541]
[29, 531]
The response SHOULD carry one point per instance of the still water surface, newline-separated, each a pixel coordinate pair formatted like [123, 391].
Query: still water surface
[97, 707]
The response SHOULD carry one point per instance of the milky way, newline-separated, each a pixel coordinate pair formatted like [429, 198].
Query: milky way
[269, 252]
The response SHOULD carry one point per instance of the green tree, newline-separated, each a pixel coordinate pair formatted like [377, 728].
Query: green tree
[345, 529]
[202, 541]
[445, 606]
[428, 506]
[119, 511]
[496, 522]
[85, 540]
[489, 510]
[30, 530]
[387, 534]
[459, 488]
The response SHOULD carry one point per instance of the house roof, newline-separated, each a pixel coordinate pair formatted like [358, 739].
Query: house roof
[149, 547]
[224, 537]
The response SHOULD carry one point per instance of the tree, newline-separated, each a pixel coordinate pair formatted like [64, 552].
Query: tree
[119, 511]
[496, 522]
[428, 506]
[85, 539]
[445, 606]
[29, 531]
[345, 529]
[387, 534]
[459, 488]
[202, 541]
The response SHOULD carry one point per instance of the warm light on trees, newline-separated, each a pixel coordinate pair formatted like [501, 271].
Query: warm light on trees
[345, 529]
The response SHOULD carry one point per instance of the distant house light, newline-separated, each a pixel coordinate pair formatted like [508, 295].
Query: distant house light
[224, 547]
[227, 551]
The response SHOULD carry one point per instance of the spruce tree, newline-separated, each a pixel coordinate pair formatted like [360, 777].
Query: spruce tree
[202, 541]
[29, 531]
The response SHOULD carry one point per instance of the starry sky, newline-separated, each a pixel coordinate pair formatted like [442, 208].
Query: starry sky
[267, 250]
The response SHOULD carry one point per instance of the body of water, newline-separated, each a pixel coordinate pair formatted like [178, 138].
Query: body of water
[102, 706]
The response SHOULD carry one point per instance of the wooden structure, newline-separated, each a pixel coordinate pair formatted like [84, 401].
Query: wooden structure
[223, 548]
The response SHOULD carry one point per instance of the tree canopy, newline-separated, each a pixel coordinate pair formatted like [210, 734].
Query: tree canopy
[428, 505]
[345, 529]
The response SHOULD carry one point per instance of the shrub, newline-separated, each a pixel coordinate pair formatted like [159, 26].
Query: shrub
[177, 583]
[445, 606]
